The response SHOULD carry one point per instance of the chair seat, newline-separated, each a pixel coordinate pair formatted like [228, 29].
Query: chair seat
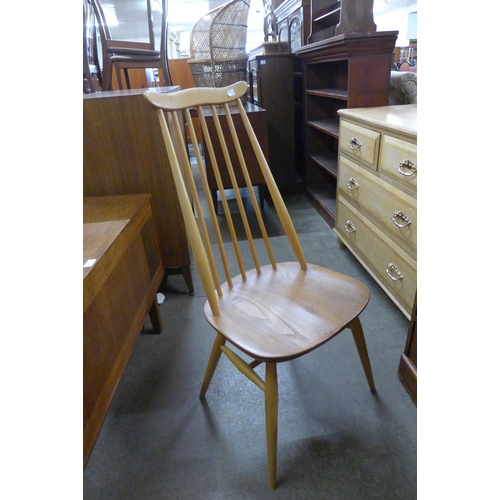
[129, 55]
[284, 313]
[124, 51]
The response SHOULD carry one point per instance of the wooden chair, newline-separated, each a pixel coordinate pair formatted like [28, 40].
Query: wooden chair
[274, 312]
[123, 55]
[92, 76]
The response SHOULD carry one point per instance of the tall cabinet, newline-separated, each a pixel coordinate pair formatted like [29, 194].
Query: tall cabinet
[350, 70]
[275, 78]
[293, 23]
[276, 95]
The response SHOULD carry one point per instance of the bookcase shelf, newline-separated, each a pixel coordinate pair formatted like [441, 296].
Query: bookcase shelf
[346, 71]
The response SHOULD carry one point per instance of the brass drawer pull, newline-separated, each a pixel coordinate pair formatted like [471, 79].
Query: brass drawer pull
[393, 272]
[349, 227]
[354, 144]
[401, 216]
[352, 184]
[407, 167]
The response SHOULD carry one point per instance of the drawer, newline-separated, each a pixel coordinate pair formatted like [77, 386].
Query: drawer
[359, 143]
[394, 210]
[398, 160]
[393, 269]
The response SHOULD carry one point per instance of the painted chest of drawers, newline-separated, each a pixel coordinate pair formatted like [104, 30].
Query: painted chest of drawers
[377, 196]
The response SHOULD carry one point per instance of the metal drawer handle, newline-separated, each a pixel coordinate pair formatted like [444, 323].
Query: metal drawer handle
[354, 144]
[401, 216]
[407, 167]
[393, 272]
[349, 227]
[352, 184]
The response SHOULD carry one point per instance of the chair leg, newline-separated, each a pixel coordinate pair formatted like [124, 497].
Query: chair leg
[212, 363]
[107, 75]
[118, 77]
[359, 339]
[127, 78]
[262, 195]
[271, 403]
[154, 314]
[214, 201]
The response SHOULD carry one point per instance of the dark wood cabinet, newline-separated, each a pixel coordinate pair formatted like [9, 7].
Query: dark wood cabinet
[273, 87]
[330, 18]
[345, 71]
[293, 23]
[258, 119]
[407, 371]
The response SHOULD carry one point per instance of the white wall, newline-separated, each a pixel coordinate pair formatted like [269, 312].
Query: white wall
[396, 20]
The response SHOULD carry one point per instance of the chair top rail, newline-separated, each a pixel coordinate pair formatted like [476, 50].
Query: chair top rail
[196, 96]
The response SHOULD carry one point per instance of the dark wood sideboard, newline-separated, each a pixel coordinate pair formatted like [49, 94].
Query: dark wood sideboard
[124, 153]
[258, 119]
[407, 370]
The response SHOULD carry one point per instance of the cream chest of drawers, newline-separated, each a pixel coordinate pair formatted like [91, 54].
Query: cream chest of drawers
[377, 196]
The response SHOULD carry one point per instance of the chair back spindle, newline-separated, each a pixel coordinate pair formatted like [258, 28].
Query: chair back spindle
[175, 112]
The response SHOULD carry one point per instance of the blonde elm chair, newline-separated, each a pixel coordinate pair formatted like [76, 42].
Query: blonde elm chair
[275, 311]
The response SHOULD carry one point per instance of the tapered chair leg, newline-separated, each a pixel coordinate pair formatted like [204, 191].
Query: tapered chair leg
[118, 76]
[359, 339]
[107, 74]
[271, 403]
[212, 363]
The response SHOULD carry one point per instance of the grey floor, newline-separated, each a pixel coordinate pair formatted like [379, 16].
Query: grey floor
[336, 440]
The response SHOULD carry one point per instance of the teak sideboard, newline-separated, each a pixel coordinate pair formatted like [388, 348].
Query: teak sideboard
[124, 153]
[122, 270]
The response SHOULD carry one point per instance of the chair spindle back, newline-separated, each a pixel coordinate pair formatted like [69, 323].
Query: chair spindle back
[175, 112]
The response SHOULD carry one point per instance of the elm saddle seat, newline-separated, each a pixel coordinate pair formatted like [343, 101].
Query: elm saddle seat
[274, 312]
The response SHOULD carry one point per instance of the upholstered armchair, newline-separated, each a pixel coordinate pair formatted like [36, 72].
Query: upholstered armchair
[403, 88]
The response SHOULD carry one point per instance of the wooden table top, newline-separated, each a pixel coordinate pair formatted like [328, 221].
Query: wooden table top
[121, 93]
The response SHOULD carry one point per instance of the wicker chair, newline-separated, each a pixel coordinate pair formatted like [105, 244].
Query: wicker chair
[217, 45]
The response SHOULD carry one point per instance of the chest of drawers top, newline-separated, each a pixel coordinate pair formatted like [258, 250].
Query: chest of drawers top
[401, 120]
[384, 141]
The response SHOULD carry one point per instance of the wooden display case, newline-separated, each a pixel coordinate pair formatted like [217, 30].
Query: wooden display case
[293, 23]
[332, 18]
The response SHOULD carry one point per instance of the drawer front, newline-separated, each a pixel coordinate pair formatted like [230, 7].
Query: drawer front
[392, 268]
[398, 160]
[394, 210]
[359, 143]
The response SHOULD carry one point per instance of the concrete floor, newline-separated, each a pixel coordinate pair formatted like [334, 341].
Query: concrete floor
[336, 440]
